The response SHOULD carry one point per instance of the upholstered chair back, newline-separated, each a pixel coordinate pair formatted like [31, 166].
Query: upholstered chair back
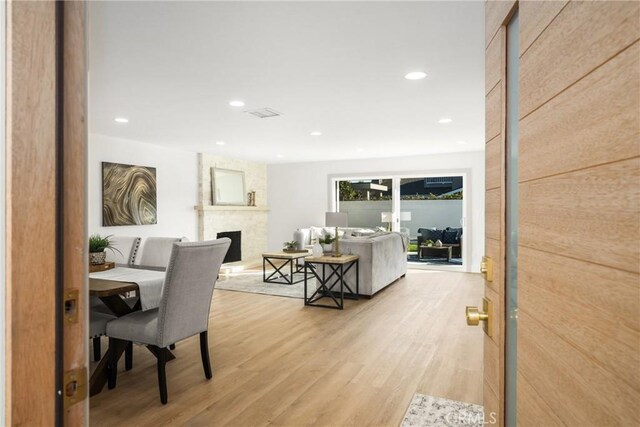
[188, 288]
[156, 251]
[126, 249]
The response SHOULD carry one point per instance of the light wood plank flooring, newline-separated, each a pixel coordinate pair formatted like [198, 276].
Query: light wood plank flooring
[276, 362]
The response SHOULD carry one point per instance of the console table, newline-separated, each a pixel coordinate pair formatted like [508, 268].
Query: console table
[330, 271]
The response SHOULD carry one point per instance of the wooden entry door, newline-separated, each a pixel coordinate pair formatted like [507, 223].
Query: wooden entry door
[45, 212]
[578, 359]
[578, 264]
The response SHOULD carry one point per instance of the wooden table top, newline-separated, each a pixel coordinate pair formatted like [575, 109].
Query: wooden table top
[435, 247]
[286, 255]
[329, 259]
[106, 288]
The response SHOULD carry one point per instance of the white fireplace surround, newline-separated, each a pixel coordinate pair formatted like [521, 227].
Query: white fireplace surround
[250, 220]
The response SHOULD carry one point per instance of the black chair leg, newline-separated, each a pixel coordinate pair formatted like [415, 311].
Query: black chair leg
[172, 347]
[112, 363]
[128, 356]
[204, 352]
[97, 351]
[162, 374]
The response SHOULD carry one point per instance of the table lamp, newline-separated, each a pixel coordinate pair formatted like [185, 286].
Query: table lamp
[388, 218]
[336, 219]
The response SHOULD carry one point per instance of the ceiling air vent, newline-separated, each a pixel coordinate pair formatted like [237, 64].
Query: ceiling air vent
[264, 113]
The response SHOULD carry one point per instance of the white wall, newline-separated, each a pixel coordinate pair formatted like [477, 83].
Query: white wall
[299, 193]
[177, 183]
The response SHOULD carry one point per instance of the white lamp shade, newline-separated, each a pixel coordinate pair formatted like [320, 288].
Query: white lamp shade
[405, 216]
[387, 217]
[336, 219]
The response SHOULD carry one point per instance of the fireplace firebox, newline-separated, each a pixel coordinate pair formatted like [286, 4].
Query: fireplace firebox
[235, 250]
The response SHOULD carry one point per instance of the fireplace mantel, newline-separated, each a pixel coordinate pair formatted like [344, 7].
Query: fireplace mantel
[231, 208]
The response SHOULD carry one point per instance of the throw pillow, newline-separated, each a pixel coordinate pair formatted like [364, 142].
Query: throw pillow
[434, 235]
[450, 237]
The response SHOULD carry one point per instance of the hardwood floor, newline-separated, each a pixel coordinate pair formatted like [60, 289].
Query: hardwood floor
[277, 362]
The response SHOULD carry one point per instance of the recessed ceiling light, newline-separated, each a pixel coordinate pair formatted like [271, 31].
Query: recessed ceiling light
[316, 133]
[220, 142]
[236, 103]
[415, 75]
[445, 120]
[280, 156]
[121, 120]
[461, 142]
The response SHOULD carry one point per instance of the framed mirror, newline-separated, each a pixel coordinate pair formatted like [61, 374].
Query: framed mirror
[227, 187]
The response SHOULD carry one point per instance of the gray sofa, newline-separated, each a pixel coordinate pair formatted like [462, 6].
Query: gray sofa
[383, 259]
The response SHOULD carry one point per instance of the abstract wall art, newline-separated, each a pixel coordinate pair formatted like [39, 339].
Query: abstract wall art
[129, 195]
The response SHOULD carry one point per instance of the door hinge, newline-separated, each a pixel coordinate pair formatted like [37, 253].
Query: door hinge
[74, 386]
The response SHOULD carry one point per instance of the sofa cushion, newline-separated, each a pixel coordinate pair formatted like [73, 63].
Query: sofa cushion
[450, 236]
[432, 234]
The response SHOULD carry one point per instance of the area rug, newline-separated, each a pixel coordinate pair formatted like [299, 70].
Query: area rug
[439, 412]
[252, 283]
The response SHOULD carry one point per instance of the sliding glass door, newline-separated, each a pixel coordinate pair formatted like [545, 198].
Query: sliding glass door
[428, 209]
[368, 202]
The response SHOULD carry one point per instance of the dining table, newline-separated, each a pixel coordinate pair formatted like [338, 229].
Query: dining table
[113, 287]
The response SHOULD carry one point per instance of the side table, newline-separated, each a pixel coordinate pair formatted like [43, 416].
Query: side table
[330, 271]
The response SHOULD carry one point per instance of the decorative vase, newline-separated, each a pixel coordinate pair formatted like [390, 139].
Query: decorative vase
[298, 236]
[438, 244]
[327, 247]
[97, 258]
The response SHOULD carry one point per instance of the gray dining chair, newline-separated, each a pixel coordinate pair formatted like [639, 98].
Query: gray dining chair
[156, 251]
[98, 328]
[125, 249]
[183, 312]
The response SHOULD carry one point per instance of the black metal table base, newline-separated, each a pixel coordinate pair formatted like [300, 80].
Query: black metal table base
[280, 276]
[327, 283]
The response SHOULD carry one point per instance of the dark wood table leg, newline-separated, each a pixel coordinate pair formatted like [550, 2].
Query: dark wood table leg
[101, 374]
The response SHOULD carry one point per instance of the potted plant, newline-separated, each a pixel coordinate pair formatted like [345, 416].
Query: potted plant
[97, 247]
[291, 246]
[326, 242]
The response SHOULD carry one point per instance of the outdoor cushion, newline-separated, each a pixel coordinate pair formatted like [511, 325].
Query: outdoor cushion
[450, 236]
[434, 235]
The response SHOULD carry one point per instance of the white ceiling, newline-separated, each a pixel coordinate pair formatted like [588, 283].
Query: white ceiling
[171, 68]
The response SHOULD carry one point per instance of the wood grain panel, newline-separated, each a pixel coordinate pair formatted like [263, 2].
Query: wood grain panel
[493, 163]
[536, 412]
[493, 210]
[493, 413]
[492, 365]
[31, 208]
[567, 214]
[568, 379]
[492, 249]
[496, 13]
[598, 330]
[74, 195]
[535, 16]
[494, 113]
[593, 122]
[498, 313]
[582, 37]
[494, 61]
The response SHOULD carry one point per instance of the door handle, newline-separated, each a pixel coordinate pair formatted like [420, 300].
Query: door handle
[475, 316]
[486, 268]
